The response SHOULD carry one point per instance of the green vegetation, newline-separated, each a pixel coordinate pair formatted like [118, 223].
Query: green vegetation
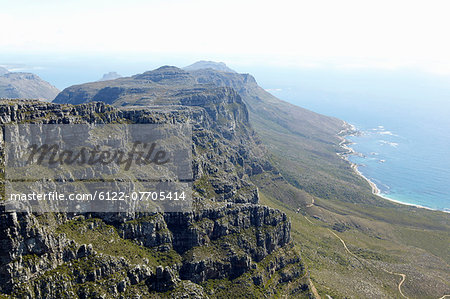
[105, 239]
[244, 286]
[376, 245]
[204, 187]
[80, 277]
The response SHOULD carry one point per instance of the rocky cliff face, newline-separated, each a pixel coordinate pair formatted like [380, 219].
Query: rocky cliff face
[303, 143]
[25, 86]
[228, 243]
[266, 109]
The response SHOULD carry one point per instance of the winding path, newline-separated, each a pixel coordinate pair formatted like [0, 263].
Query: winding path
[343, 243]
[403, 276]
[352, 254]
[401, 282]
[308, 220]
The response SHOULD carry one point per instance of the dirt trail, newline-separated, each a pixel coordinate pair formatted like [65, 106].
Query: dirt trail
[343, 243]
[308, 220]
[403, 276]
[352, 254]
[401, 282]
[314, 290]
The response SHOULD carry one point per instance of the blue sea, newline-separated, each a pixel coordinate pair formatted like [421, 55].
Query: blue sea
[404, 123]
[403, 115]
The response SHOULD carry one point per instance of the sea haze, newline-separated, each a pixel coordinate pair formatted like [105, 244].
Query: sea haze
[404, 120]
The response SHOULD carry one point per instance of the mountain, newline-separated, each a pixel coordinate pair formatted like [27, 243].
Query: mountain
[228, 244]
[304, 176]
[202, 64]
[110, 76]
[17, 85]
[262, 104]
[304, 143]
[164, 86]
[300, 139]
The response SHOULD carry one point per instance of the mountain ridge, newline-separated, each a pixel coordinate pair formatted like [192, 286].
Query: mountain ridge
[228, 243]
[18, 85]
[203, 64]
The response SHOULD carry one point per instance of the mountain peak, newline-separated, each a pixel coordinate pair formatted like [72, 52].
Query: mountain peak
[203, 64]
[110, 76]
[168, 68]
[169, 74]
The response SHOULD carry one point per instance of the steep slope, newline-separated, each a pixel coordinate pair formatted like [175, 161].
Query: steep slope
[25, 86]
[229, 244]
[304, 144]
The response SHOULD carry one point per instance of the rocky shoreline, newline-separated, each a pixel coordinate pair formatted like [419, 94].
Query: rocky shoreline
[350, 130]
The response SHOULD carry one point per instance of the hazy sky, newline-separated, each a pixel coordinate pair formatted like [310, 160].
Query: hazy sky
[343, 33]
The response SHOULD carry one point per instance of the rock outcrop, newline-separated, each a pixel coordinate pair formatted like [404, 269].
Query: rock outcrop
[228, 238]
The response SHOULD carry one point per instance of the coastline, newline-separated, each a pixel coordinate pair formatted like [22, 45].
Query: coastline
[350, 130]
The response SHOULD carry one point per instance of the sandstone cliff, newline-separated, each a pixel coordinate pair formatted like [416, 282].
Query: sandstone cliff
[228, 243]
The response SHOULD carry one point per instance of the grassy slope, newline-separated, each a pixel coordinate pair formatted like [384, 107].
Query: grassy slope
[303, 144]
[383, 235]
[376, 245]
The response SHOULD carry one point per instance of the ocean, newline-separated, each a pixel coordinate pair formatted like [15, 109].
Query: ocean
[404, 122]
[403, 115]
